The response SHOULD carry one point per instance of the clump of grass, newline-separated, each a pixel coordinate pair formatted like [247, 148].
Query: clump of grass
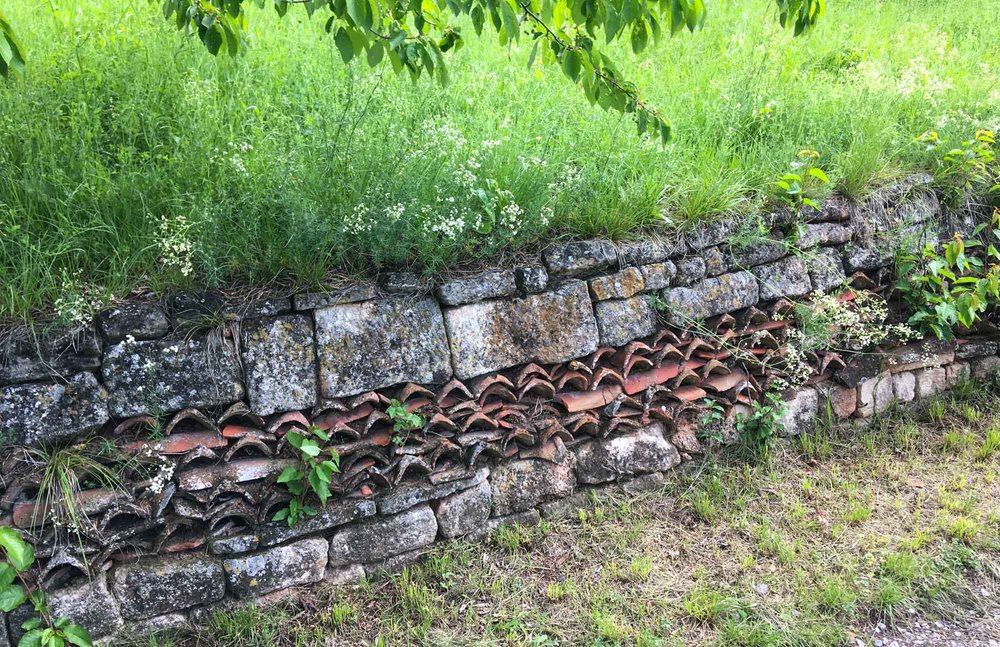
[990, 445]
[708, 606]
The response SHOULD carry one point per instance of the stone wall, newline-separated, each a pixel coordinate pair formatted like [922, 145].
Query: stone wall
[588, 367]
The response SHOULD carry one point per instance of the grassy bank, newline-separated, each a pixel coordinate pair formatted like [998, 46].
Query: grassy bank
[129, 158]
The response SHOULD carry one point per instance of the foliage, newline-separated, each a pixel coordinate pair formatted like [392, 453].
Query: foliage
[969, 168]
[402, 421]
[758, 429]
[11, 57]
[312, 476]
[953, 285]
[41, 630]
[801, 185]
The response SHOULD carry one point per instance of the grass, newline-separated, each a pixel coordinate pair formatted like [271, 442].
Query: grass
[785, 559]
[130, 160]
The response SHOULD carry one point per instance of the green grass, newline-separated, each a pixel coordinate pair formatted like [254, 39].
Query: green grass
[130, 159]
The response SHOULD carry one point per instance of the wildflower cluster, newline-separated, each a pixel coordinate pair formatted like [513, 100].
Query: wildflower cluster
[77, 301]
[176, 244]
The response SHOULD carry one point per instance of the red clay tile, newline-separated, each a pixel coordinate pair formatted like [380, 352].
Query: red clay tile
[582, 401]
[639, 382]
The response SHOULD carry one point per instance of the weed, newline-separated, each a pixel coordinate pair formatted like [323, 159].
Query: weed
[990, 445]
[963, 529]
[835, 596]
[707, 606]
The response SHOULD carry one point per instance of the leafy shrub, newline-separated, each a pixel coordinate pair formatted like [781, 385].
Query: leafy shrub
[968, 168]
[801, 185]
[312, 476]
[758, 429]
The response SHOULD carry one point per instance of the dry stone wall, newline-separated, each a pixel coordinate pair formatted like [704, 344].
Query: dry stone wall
[587, 368]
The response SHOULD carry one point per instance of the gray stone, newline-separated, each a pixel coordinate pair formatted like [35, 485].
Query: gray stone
[726, 293]
[904, 386]
[715, 261]
[141, 321]
[168, 622]
[859, 368]
[171, 374]
[464, 512]
[875, 394]
[658, 275]
[568, 506]
[958, 372]
[627, 455]
[930, 382]
[344, 575]
[579, 258]
[620, 285]
[531, 279]
[645, 252]
[758, 253]
[338, 296]
[4, 635]
[159, 585]
[922, 354]
[834, 208]
[976, 348]
[857, 258]
[690, 270]
[985, 368]
[88, 604]
[800, 412]
[823, 233]
[527, 518]
[269, 307]
[621, 321]
[404, 497]
[708, 234]
[785, 278]
[279, 363]
[396, 563]
[27, 354]
[376, 539]
[409, 283]
[42, 413]
[522, 484]
[826, 272]
[644, 483]
[486, 285]
[194, 310]
[552, 327]
[371, 345]
[277, 568]
[921, 206]
[337, 513]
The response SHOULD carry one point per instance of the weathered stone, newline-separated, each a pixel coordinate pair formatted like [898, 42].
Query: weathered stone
[857, 258]
[920, 206]
[620, 285]
[486, 285]
[336, 513]
[371, 345]
[645, 252]
[404, 497]
[268, 307]
[658, 275]
[89, 605]
[800, 412]
[344, 575]
[859, 368]
[875, 394]
[523, 484]
[715, 261]
[159, 585]
[42, 413]
[526, 518]
[826, 271]
[958, 372]
[985, 368]
[4, 635]
[279, 363]
[621, 321]
[726, 293]
[568, 506]
[930, 382]
[922, 354]
[196, 309]
[834, 208]
[382, 537]
[824, 233]
[690, 270]
[168, 622]
[277, 568]
[531, 279]
[141, 321]
[904, 386]
[758, 253]
[409, 283]
[580, 257]
[976, 348]
[396, 563]
[708, 234]
[335, 297]
[645, 483]
[27, 354]
[465, 511]
[785, 278]
[170, 374]
[841, 401]
[551, 327]
[611, 459]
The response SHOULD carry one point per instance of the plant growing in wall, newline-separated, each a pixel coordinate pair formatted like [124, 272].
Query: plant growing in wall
[971, 167]
[41, 630]
[403, 421]
[758, 429]
[802, 184]
[311, 477]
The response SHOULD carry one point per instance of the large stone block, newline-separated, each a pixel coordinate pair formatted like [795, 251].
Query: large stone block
[523, 484]
[824, 233]
[277, 568]
[376, 539]
[141, 321]
[171, 374]
[464, 512]
[658, 275]
[404, 497]
[758, 253]
[88, 604]
[930, 382]
[857, 258]
[42, 413]
[374, 344]
[612, 459]
[579, 258]
[155, 586]
[645, 252]
[726, 293]
[620, 285]
[622, 320]
[690, 270]
[279, 363]
[485, 285]
[550, 327]
[904, 386]
[27, 354]
[875, 394]
[788, 277]
[826, 271]
[801, 408]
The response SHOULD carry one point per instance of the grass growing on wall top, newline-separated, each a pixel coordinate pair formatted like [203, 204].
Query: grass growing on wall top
[130, 158]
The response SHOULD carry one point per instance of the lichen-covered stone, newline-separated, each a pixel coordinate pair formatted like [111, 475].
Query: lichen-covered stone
[266, 307]
[336, 296]
[758, 253]
[141, 321]
[726, 293]
[857, 258]
[823, 233]
[551, 327]
[409, 283]
[382, 537]
[611, 459]
[922, 354]
[621, 320]
[154, 586]
[523, 484]
[404, 497]
[715, 261]
[958, 372]
[195, 309]
[649, 251]
[279, 363]
[371, 345]
[657, 276]
[580, 257]
[465, 511]
[527, 518]
[826, 271]
[930, 381]
[620, 285]
[834, 208]
[985, 368]
[277, 568]
[904, 386]
[875, 394]
[485, 285]
[707, 234]
[785, 278]
[799, 414]
[171, 374]
[31, 414]
[88, 604]
[531, 279]
[27, 354]
[976, 348]
[690, 270]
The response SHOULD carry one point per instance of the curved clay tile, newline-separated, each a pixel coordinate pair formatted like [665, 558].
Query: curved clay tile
[410, 390]
[193, 418]
[528, 372]
[145, 423]
[577, 380]
[480, 384]
[240, 413]
[449, 391]
[598, 356]
[282, 423]
[334, 419]
[584, 400]
[248, 447]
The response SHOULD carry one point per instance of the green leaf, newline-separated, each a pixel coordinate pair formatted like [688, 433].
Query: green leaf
[346, 48]
[571, 64]
[19, 553]
[11, 597]
[818, 174]
[77, 635]
[31, 639]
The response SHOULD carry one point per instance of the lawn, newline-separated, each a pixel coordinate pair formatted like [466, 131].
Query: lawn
[839, 531]
[130, 159]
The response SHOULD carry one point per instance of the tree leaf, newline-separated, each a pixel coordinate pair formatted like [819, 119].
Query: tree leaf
[19, 553]
[11, 597]
[77, 635]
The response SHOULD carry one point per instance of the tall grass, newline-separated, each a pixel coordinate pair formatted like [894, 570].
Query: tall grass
[130, 158]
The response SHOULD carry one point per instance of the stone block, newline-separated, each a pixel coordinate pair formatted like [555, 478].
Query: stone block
[800, 412]
[531, 279]
[620, 285]
[279, 363]
[930, 381]
[551, 327]
[31, 414]
[526, 518]
[758, 253]
[976, 347]
[155, 586]
[726, 293]
[621, 321]
[277, 568]
[485, 285]
[168, 622]
[690, 270]
[266, 307]
[88, 604]
[620, 457]
[788, 277]
[858, 259]
[985, 368]
[335, 297]
[650, 251]
[958, 372]
[522, 484]
[826, 271]
[904, 386]
[841, 400]
[170, 374]
[658, 275]
[567, 506]
[344, 575]
[644, 483]
[404, 497]
[715, 261]
[580, 257]
[875, 394]
[382, 537]
[374, 344]
[27, 354]
[823, 233]
[923, 354]
[465, 511]
[404, 283]
[141, 321]
[707, 234]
